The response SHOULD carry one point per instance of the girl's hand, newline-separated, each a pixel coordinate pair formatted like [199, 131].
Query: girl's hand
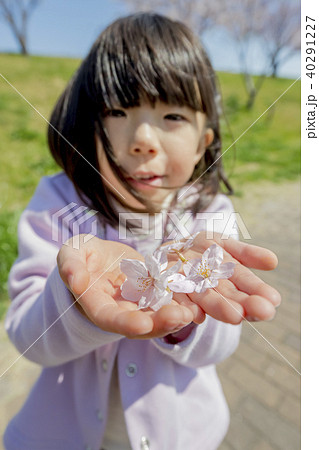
[92, 275]
[244, 295]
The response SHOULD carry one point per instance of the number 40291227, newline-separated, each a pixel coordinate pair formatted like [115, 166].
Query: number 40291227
[310, 46]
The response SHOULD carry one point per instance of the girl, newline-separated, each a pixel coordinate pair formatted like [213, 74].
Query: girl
[136, 133]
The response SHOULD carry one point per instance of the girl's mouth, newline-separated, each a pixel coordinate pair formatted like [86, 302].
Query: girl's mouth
[146, 181]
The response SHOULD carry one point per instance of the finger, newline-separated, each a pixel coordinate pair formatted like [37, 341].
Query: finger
[246, 281]
[219, 307]
[198, 313]
[258, 308]
[229, 290]
[170, 318]
[255, 306]
[122, 317]
[110, 317]
[166, 320]
[74, 274]
[250, 255]
[101, 308]
[247, 254]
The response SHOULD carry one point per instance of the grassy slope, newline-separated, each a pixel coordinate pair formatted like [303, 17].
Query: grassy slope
[270, 150]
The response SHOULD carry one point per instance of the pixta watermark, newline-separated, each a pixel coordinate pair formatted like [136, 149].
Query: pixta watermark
[173, 226]
[71, 221]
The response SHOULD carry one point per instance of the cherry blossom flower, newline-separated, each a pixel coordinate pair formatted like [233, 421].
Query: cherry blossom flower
[178, 246]
[207, 270]
[150, 284]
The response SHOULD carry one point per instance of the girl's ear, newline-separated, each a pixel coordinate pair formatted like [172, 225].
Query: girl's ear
[206, 140]
[208, 137]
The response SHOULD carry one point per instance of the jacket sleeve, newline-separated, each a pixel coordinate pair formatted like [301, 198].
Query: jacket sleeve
[42, 321]
[209, 343]
[213, 340]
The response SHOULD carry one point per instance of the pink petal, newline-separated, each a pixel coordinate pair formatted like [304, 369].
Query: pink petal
[170, 248]
[210, 282]
[153, 266]
[175, 268]
[130, 292]
[179, 283]
[133, 268]
[142, 303]
[189, 241]
[161, 282]
[179, 245]
[214, 253]
[155, 299]
[147, 298]
[162, 298]
[200, 287]
[160, 256]
[225, 270]
[191, 267]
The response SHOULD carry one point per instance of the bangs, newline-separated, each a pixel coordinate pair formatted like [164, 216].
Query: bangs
[134, 65]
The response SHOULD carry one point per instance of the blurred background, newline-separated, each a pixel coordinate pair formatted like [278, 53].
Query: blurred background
[255, 47]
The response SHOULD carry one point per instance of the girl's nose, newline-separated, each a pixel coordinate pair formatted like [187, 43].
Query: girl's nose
[144, 140]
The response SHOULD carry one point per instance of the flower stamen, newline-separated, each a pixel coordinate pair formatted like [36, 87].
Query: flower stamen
[204, 270]
[143, 283]
[181, 256]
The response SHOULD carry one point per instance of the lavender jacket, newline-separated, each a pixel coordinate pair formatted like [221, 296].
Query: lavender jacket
[171, 395]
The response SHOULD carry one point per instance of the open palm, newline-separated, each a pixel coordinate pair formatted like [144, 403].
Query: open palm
[93, 276]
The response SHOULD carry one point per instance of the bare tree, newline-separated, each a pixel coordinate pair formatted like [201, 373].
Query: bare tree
[274, 23]
[239, 17]
[243, 20]
[17, 13]
[281, 32]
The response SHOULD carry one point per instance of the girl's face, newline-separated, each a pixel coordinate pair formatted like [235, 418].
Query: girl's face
[156, 146]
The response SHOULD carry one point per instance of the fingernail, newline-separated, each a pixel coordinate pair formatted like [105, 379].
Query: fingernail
[252, 319]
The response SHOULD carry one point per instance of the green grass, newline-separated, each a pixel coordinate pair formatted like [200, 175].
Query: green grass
[270, 150]
[24, 156]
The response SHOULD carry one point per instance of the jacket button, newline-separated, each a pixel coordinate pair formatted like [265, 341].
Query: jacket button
[131, 370]
[145, 443]
[104, 365]
[99, 415]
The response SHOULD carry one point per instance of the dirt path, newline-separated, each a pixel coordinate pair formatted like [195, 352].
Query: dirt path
[263, 390]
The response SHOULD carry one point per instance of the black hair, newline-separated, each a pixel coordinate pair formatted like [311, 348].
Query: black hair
[142, 57]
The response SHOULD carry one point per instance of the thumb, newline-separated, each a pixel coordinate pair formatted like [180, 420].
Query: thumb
[73, 271]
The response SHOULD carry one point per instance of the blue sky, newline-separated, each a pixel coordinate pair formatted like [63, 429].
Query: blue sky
[69, 27]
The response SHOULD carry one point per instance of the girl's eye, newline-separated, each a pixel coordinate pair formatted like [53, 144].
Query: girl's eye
[115, 113]
[175, 117]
